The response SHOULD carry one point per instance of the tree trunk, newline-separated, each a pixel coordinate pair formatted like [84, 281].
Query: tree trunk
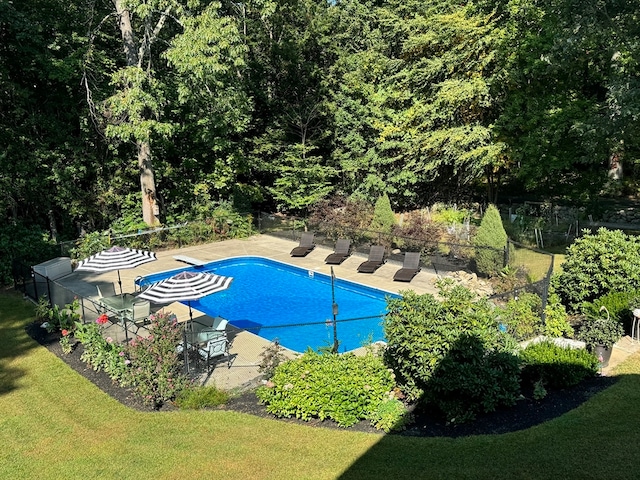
[150, 210]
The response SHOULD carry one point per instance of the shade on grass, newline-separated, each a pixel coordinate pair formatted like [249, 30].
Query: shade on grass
[55, 424]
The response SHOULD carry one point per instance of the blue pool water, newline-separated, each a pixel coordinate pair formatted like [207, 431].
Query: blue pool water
[272, 299]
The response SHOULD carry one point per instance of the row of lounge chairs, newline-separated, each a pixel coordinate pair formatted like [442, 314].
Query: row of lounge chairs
[376, 258]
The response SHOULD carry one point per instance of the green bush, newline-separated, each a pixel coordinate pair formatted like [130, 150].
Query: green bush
[27, 243]
[600, 331]
[421, 329]
[522, 316]
[472, 379]
[197, 397]
[102, 353]
[556, 366]
[383, 217]
[619, 305]
[155, 367]
[556, 320]
[596, 265]
[490, 242]
[391, 415]
[344, 388]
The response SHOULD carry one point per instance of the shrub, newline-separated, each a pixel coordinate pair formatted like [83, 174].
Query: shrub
[418, 233]
[344, 388]
[156, 369]
[341, 217]
[619, 305]
[490, 242]
[596, 265]
[421, 329]
[556, 323]
[600, 331]
[90, 244]
[383, 217]
[522, 316]
[556, 366]
[390, 415]
[196, 397]
[471, 379]
[101, 353]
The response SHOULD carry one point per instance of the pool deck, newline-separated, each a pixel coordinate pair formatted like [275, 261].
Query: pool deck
[245, 346]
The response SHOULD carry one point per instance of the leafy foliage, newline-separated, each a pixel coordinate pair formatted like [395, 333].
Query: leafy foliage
[597, 264]
[556, 366]
[556, 321]
[600, 331]
[521, 316]
[155, 367]
[391, 415]
[102, 353]
[344, 388]
[421, 330]
[471, 379]
[490, 242]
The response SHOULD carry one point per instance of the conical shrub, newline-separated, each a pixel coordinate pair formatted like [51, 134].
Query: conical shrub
[490, 242]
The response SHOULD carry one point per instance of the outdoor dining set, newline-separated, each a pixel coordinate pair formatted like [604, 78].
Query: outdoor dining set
[134, 309]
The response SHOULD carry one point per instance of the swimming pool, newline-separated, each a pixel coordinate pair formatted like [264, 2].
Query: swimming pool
[273, 300]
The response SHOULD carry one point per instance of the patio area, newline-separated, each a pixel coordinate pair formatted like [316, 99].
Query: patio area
[246, 347]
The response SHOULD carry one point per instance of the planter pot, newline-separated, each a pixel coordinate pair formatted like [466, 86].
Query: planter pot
[604, 354]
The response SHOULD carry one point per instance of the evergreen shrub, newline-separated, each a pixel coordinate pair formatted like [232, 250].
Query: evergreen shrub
[490, 242]
[383, 217]
[556, 366]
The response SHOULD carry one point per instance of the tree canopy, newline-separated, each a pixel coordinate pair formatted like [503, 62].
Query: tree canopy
[157, 109]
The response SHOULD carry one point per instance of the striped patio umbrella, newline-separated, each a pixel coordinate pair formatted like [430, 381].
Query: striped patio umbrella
[184, 287]
[116, 258]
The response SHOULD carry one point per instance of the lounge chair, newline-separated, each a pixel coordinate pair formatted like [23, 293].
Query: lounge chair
[410, 267]
[340, 253]
[375, 261]
[306, 245]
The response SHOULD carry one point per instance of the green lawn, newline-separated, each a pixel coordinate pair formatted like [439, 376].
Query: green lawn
[54, 424]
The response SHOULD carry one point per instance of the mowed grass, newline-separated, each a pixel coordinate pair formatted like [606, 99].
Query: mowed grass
[54, 424]
[537, 264]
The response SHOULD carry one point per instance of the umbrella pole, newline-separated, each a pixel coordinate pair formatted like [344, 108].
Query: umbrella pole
[184, 339]
[120, 283]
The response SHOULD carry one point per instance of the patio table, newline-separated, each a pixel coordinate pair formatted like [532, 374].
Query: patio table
[121, 304]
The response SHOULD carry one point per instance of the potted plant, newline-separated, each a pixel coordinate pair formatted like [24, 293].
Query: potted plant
[600, 334]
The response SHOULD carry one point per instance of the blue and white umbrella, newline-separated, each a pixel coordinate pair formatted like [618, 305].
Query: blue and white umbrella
[116, 258]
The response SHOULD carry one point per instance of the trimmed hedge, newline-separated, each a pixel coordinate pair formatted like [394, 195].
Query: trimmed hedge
[557, 366]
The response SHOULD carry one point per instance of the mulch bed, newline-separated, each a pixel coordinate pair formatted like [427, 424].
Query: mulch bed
[526, 413]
